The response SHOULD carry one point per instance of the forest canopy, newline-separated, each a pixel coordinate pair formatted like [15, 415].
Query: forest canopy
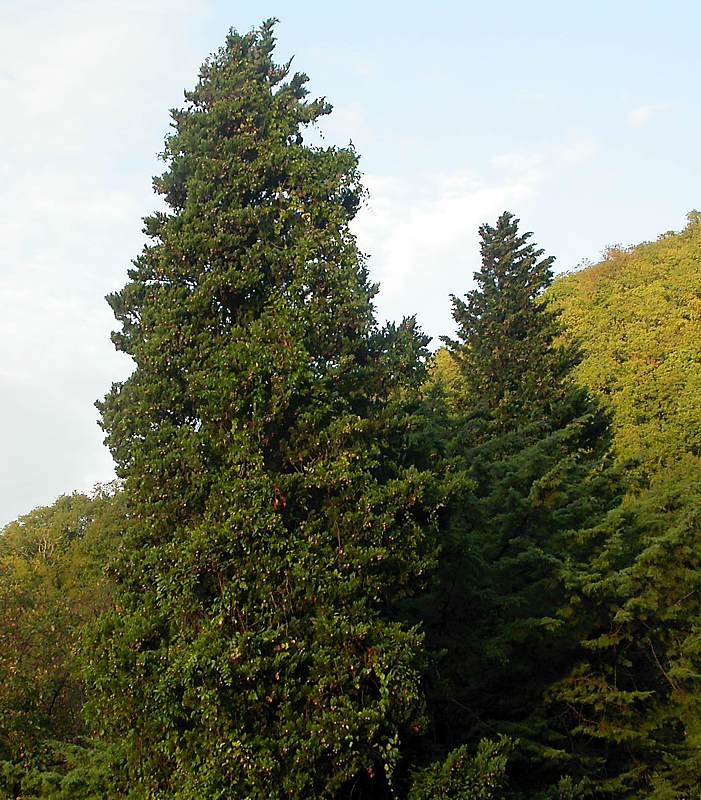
[335, 564]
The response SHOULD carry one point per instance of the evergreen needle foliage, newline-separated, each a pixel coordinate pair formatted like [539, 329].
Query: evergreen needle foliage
[329, 575]
[511, 364]
[532, 444]
[274, 521]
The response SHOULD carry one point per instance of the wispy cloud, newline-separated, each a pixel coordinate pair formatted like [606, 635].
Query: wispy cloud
[346, 123]
[538, 166]
[78, 82]
[640, 116]
[422, 234]
[528, 165]
[422, 239]
[578, 151]
[363, 67]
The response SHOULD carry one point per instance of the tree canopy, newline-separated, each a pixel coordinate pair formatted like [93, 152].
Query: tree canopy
[274, 520]
[637, 317]
[335, 565]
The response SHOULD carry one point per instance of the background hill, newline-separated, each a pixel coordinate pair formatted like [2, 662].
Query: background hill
[628, 697]
[637, 317]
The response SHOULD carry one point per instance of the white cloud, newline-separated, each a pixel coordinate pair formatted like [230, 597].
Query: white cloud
[346, 123]
[537, 166]
[363, 68]
[78, 81]
[422, 239]
[578, 151]
[422, 235]
[640, 116]
[526, 165]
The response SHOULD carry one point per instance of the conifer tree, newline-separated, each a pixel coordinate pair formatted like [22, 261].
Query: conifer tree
[633, 698]
[274, 522]
[507, 351]
[532, 443]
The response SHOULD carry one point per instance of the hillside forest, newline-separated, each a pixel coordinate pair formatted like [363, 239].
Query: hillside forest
[335, 563]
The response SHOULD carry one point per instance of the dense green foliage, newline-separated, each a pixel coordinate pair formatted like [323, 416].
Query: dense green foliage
[634, 694]
[632, 697]
[275, 520]
[330, 572]
[52, 583]
[461, 777]
[532, 445]
[511, 368]
[626, 715]
[637, 319]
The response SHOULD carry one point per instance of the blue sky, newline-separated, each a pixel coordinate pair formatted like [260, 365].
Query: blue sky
[583, 119]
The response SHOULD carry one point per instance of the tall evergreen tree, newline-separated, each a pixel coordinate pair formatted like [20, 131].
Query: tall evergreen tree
[507, 350]
[531, 442]
[274, 521]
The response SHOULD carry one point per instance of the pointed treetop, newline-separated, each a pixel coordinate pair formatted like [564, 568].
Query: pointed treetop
[506, 347]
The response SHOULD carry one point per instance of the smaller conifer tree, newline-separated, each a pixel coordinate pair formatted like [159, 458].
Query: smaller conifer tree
[512, 366]
[532, 443]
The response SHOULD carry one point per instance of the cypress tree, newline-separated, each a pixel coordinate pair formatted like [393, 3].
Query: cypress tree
[274, 522]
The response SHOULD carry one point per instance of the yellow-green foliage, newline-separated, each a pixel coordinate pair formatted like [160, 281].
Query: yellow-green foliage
[637, 317]
[52, 582]
[465, 777]
[444, 372]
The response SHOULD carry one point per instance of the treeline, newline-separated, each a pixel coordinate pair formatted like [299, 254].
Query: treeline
[336, 566]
